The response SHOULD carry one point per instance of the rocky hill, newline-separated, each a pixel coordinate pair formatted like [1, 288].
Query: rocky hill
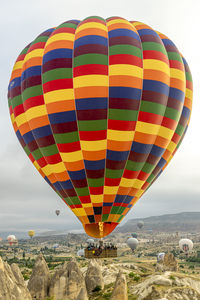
[183, 222]
[100, 280]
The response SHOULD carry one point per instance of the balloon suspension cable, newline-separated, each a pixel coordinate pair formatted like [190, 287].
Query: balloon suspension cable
[101, 229]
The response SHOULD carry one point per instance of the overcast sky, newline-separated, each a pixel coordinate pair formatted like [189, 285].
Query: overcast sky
[26, 201]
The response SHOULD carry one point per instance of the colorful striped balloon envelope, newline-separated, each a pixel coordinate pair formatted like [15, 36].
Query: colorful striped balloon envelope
[100, 108]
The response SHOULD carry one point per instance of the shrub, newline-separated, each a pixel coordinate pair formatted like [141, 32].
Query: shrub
[171, 277]
[135, 277]
[107, 295]
[191, 267]
[97, 289]
[26, 277]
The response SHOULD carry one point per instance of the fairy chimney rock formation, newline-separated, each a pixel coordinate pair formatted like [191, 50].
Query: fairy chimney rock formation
[12, 284]
[38, 284]
[94, 276]
[120, 288]
[68, 283]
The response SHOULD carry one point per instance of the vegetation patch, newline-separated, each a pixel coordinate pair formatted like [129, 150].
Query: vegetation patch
[134, 276]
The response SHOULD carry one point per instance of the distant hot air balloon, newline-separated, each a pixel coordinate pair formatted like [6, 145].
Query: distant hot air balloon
[160, 256]
[90, 241]
[100, 107]
[140, 224]
[186, 245]
[132, 243]
[1, 239]
[55, 246]
[134, 235]
[57, 212]
[81, 252]
[31, 233]
[11, 239]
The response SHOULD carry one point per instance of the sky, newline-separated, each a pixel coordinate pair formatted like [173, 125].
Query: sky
[26, 201]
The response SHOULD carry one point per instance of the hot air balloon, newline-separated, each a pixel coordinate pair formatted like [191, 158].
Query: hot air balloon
[160, 256]
[11, 239]
[140, 224]
[57, 212]
[100, 107]
[186, 245]
[132, 243]
[31, 233]
[134, 235]
[81, 252]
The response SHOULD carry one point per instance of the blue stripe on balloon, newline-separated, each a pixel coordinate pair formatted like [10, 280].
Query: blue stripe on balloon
[155, 86]
[76, 175]
[62, 117]
[161, 163]
[32, 71]
[147, 31]
[107, 204]
[186, 112]
[123, 32]
[28, 137]
[157, 151]
[125, 93]
[94, 165]
[168, 42]
[177, 94]
[18, 134]
[117, 155]
[65, 185]
[141, 148]
[57, 53]
[91, 39]
[14, 83]
[91, 103]
[42, 131]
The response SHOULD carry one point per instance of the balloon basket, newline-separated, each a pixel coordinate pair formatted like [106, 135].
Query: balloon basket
[100, 253]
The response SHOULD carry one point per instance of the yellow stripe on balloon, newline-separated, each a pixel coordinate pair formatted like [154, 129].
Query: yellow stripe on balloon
[135, 183]
[118, 135]
[90, 80]
[147, 128]
[154, 64]
[59, 95]
[87, 205]
[96, 198]
[35, 112]
[93, 145]
[36, 165]
[18, 65]
[34, 53]
[57, 168]
[109, 190]
[125, 70]
[12, 118]
[171, 147]
[139, 193]
[178, 74]
[60, 36]
[165, 132]
[72, 156]
[117, 21]
[20, 119]
[189, 94]
[79, 212]
[91, 25]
